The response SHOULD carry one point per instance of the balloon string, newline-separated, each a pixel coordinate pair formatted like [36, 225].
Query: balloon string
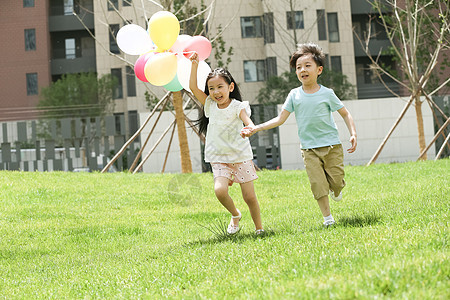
[189, 52]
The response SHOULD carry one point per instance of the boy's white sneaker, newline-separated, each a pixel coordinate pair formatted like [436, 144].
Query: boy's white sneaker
[338, 198]
[329, 223]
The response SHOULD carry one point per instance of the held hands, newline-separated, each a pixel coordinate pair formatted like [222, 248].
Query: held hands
[248, 131]
[354, 143]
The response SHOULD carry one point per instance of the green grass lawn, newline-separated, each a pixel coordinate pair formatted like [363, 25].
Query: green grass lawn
[118, 235]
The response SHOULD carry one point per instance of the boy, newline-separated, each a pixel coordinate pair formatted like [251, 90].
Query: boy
[320, 145]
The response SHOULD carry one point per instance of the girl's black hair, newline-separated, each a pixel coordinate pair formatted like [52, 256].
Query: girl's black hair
[235, 94]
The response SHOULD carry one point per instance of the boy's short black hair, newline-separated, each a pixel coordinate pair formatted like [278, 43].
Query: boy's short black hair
[308, 48]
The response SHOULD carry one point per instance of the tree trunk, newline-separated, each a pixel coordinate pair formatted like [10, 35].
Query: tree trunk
[186, 166]
[421, 131]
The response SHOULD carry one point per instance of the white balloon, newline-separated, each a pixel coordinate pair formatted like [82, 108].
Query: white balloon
[202, 74]
[184, 73]
[134, 40]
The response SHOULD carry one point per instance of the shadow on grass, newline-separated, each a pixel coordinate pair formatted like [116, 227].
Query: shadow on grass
[220, 235]
[359, 221]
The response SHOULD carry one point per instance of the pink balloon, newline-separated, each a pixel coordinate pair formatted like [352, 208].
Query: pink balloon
[140, 64]
[198, 44]
[180, 43]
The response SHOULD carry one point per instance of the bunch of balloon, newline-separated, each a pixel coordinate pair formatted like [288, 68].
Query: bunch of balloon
[164, 53]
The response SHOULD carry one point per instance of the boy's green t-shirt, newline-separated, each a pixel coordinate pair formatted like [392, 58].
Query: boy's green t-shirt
[316, 126]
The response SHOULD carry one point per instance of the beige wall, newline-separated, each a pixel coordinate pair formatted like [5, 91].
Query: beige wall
[373, 119]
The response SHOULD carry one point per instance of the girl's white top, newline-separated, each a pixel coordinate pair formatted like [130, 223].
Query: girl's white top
[224, 143]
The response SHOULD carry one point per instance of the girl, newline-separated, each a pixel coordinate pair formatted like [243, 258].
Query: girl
[230, 154]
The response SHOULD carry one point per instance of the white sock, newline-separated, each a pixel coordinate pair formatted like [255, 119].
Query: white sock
[329, 218]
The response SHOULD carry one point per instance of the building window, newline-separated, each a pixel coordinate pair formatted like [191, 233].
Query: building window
[32, 84]
[321, 24]
[68, 7]
[254, 70]
[126, 2]
[113, 47]
[294, 20]
[131, 82]
[28, 3]
[133, 121]
[113, 4]
[70, 48]
[271, 67]
[269, 29]
[336, 64]
[119, 119]
[118, 93]
[378, 30]
[333, 27]
[30, 39]
[251, 27]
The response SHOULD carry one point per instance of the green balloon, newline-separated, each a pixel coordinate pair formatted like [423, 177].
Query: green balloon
[174, 85]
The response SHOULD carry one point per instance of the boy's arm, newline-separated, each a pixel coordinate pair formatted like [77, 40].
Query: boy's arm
[199, 94]
[277, 121]
[345, 114]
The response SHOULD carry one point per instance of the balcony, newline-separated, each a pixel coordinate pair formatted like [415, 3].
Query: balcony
[63, 18]
[77, 65]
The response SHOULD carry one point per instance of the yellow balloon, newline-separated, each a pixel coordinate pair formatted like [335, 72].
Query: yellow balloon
[164, 28]
[161, 68]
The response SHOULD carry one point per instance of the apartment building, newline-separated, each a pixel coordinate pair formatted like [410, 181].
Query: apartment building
[41, 40]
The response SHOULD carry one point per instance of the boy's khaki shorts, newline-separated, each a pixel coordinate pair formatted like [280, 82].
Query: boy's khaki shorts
[325, 169]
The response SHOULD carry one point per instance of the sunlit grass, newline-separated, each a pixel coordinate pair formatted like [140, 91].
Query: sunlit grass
[91, 235]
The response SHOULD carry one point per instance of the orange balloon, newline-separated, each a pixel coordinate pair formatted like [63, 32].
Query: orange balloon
[161, 68]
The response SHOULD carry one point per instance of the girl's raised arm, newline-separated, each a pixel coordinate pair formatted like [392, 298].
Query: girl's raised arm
[198, 93]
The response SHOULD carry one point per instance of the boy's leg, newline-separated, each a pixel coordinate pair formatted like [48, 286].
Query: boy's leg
[334, 169]
[314, 164]
[248, 193]
[324, 205]
[313, 160]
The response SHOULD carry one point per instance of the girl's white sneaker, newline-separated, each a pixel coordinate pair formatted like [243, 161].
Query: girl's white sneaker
[232, 229]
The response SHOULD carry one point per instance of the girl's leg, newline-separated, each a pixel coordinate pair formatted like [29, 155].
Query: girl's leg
[324, 205]
[248, 193]
[221, 189]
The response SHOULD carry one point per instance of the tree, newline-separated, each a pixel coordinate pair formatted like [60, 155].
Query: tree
[419, 34]
[278, 87]
[78, 95]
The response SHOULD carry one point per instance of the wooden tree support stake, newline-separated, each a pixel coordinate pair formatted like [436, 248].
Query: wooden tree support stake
[434, 139]
[149, 135]
[168, 148]
[154, 147]
[402, 114]
[438, 155]
[124, 147]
